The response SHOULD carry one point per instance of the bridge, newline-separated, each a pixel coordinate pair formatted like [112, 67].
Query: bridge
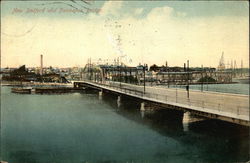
[232, 108]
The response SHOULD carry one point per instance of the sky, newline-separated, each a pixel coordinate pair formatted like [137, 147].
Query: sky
[68, 33]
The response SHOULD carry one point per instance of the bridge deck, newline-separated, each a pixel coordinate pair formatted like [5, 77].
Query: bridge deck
[228, 105]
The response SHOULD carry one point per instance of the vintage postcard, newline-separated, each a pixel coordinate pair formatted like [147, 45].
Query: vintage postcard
[89, 81]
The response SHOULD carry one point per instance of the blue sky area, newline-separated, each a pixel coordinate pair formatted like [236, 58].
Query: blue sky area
[190, 8]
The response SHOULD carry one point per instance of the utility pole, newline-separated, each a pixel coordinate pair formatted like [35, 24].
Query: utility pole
[167, 69]
[235, 69]
[90, 69]
[202, 78]
[144, 84]
[207, 79]
[87, 75]
[184, 75]
[41, 67]
[125, 74]
[120, 75]
[241, 68]
[95, 76]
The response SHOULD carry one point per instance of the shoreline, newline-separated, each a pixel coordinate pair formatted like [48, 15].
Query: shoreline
[18, 83]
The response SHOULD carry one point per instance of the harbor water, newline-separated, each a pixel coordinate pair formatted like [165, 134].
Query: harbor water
[82, 127]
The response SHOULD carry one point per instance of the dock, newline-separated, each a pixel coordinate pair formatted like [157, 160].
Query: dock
[45, 90]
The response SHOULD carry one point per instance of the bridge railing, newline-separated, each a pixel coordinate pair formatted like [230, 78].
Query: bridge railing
[236, 109]
[176, 98]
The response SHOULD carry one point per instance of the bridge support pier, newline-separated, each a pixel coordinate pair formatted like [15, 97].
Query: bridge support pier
[142, 106]
[148, 108]
[167, 116]
[100, 95]
[189, 117]
[142, 109]
[119, 100]
[186, 121]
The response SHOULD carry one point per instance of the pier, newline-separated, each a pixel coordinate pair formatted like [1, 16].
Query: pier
[232, 108]
[45, 90]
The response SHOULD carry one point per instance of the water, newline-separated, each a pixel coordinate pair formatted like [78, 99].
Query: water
[80, 128]
[224, 88]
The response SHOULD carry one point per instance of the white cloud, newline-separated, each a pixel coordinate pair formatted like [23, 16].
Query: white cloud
[181, 14]
[138, 11]
[111, 8]
[161, 13]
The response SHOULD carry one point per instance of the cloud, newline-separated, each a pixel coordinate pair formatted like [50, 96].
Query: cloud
[138, 11]
[181, 14]
[159, 37]
[161, 13]
[111, 8]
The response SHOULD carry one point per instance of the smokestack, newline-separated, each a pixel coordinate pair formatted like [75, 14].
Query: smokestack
[41, 66]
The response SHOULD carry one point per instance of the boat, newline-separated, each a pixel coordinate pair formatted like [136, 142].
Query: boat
[22, 90]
